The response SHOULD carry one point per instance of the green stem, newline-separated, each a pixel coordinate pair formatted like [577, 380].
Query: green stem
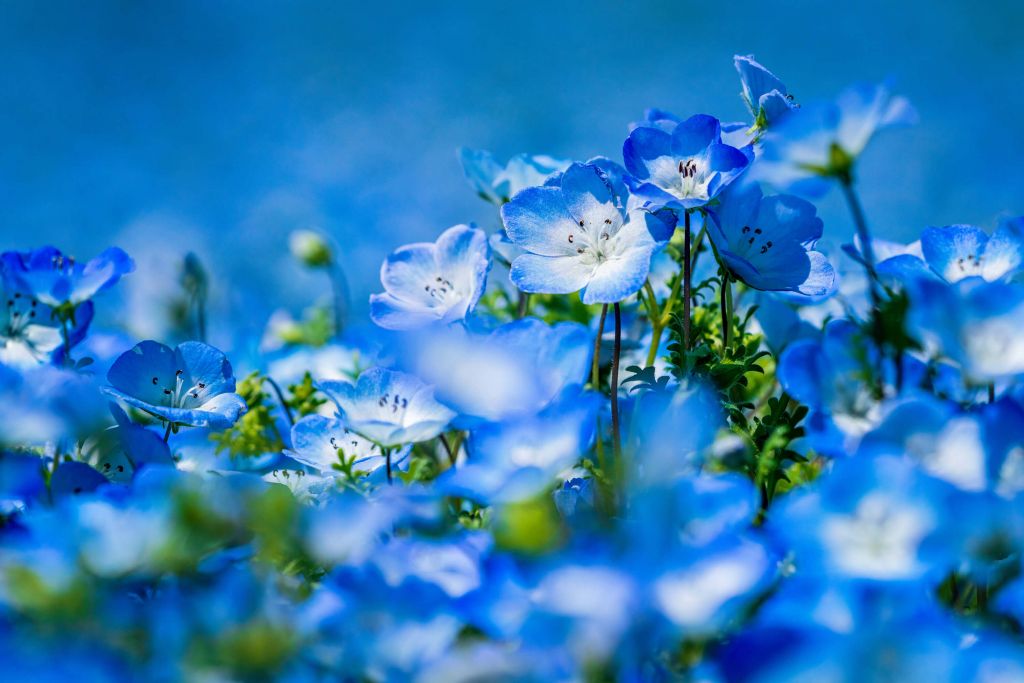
[687, 273]
[280, 397]
[447, 448]
[595, 365]
[725, 296]
[339, 288]
[387, 464]
[616, 439]
[523, 306]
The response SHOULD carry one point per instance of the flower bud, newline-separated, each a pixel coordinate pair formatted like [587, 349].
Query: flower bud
[310, 248]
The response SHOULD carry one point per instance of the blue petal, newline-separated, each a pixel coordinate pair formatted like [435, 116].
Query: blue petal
[694, 135]
[643, 145]
[588, 195]
[73, 478]
[134, 371]
[538, 220]
[801, 369]
[1005, 250]
[756, 80]
[550, 274]
[618, 278]
[955, 251]
[202, 363]
[480, 169]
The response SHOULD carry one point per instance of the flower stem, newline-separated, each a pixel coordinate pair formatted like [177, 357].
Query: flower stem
[523, 306]
[448, 448]
[66, 335]
[863, 234]
[616, 439]
[387, 464]
[595, 365]
[725, 292]
[687, 274]
[991, 392]
[280, 397]
[339, 287]
[167, 432]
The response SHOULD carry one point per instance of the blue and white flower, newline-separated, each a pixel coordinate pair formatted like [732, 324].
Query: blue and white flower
[683, 169]
[56, 279]
[438, 282]
[579, 236]
[191, 385]
[389, 408]
[764, 94]
[498, 184]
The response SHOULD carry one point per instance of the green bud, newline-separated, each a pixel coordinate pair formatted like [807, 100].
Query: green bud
[310, 248]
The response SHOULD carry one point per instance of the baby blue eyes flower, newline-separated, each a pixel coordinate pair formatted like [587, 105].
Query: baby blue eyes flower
[389, 408]
[975, 323]
[578, 236]
[438, 282]
[498, 184]
[190, 385]
[55, 279]
[820, 142]
[764, 94]
[321, 443]
[685, 168]
[767, 242]
[30, 331]
[956, 252]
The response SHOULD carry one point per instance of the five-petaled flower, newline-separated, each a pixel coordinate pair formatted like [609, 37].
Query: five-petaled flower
[192, 384]
[388, 407]
[683, 169]
[581, 235]
[325, 444]
[768, 242]
[437, 282]
[58, 280]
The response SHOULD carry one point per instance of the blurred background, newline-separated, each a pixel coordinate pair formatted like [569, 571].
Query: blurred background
[221, 127]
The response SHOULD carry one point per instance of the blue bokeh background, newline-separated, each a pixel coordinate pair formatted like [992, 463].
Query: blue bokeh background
[221, 127]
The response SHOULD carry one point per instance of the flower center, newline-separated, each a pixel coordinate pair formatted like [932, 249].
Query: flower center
[693, 179]
[442, 292]
[754, 240]
[595, 243]
[393, 407]
[181, 396]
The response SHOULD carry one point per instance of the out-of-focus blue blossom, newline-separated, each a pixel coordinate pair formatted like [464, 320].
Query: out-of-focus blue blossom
[818, 142]
[974, 323]
[956, 252]
[827, 375]
[426, 283]
[578, 236]
[764, 94]
[325, 444]
[30, 331]
[683, 169]
[768, 242]
[515, 371]
[192, 384]
[498, 184]
[518, 459]
[55, 279]
[389, 408]
[873, 518]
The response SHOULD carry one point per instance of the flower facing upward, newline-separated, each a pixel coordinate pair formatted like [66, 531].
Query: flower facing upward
[579, 236]
[427, 283]
[389, 408]
[685, 168]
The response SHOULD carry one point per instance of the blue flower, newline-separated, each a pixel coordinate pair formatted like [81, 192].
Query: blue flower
[497, 183]
[389, 408]
[579, 236]
[426, 283]
[820, 142]
[56, 279]
[31, 332]
[684, 169]
[764, 94]
[321, 443]
[515, 371]
[190, 385]
[974, 323]
[768, 242]
[956, 252]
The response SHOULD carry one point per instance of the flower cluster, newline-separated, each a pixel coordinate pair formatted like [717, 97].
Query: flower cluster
[640, 428]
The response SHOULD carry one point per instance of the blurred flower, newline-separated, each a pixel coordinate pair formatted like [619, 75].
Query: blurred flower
[498, 184]
[310, 248]
[426, 283]
[55, 279]
[389, 408]
[764, 94]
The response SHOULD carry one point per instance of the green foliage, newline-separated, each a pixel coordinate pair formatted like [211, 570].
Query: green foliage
[255, 433]
[304, 399]
[315, 329]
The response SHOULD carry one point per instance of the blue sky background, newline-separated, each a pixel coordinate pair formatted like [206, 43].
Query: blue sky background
[222, 127]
